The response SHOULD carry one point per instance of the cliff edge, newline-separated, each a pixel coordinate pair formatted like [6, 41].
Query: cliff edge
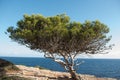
[21, 72]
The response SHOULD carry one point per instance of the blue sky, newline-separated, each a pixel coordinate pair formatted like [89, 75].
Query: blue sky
[107, 11]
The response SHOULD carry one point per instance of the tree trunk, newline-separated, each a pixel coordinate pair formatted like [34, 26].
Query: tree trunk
[74, 75]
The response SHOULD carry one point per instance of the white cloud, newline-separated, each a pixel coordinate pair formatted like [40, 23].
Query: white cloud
[114, 53]
[16, 50]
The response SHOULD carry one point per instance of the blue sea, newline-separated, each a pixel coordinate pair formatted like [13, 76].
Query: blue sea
[98, 67]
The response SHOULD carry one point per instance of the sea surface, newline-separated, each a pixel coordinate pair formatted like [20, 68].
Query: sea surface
[98, 67]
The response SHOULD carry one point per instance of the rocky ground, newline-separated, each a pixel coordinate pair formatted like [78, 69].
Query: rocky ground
[43, 74]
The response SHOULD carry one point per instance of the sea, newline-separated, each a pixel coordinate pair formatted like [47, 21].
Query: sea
[98, 67]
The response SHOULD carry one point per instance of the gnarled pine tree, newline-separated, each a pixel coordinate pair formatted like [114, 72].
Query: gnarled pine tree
[60, 39]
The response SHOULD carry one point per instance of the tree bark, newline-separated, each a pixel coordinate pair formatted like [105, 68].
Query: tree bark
[74, 75]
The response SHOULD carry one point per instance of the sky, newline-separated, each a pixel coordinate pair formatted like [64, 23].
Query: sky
[106, 11]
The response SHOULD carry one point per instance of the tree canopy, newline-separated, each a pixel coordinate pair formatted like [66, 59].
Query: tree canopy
[58, 36]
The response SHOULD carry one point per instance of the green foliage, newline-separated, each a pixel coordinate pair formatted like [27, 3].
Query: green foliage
[56, 34]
